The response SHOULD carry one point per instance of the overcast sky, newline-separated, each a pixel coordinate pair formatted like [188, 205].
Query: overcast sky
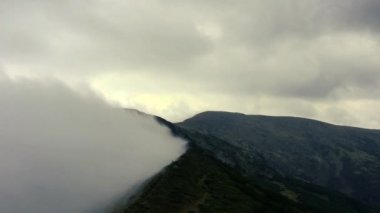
[312, 58]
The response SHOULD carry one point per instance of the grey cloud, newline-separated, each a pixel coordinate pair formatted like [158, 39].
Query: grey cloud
[350, 80]
[65, 152]
[84, 37]
[305, 49]
[268, 21]
[352, 15]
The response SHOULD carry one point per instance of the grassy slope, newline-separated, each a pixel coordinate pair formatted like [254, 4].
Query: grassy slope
[346, 159]
[210, 177]
[199, 183]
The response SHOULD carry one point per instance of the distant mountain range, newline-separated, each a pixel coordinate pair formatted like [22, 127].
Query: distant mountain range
[250, 163]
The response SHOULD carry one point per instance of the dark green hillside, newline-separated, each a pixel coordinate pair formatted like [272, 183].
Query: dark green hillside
[214, 176]
[199, 183]
[346, 159]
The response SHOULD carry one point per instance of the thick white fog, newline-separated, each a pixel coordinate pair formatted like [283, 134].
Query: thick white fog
[61, 151]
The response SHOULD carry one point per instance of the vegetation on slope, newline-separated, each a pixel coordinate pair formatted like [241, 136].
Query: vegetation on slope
[346, 159]
[212, 176]
[199, 183]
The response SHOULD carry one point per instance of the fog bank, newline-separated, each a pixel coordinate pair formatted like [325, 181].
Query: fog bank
[61, 151]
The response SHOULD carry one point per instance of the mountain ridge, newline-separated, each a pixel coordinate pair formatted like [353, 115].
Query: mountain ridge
[205, 180]
[275, 117]
[343, 158]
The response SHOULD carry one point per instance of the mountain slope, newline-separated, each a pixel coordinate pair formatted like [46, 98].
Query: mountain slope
[199, 183]
[215, 176]
[345, 159]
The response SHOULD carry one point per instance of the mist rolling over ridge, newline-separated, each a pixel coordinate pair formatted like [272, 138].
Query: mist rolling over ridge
[65, 152]
[211, 106]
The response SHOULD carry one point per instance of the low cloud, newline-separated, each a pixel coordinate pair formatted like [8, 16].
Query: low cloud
[61, 151]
